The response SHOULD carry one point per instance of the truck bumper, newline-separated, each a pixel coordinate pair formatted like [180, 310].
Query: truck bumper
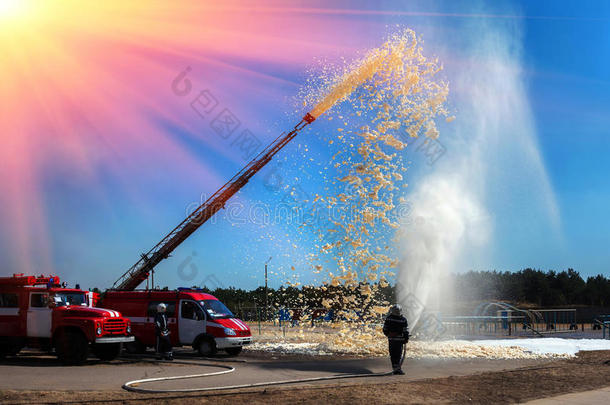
[228, 342]
[115, 339]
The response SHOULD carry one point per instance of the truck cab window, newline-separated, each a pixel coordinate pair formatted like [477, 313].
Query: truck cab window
[191, 310]
[216, 309]
[63, 299]
[39, 300]
[8, 300]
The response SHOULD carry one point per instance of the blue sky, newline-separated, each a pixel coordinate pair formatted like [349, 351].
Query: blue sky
[98, 230]
[568, 87]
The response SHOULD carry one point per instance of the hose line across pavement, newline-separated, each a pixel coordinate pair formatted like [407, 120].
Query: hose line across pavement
[134, 385]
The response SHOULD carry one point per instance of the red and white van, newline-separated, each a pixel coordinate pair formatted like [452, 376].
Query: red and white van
[39, 312]
[195, 319]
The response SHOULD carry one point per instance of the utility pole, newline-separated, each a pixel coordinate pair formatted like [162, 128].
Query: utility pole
[266, 291]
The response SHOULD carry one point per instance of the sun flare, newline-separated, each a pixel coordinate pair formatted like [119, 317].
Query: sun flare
[82, 79]
[12, 8]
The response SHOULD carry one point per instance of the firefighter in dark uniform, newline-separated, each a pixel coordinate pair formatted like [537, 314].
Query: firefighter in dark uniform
[164, 345]
[396, 329]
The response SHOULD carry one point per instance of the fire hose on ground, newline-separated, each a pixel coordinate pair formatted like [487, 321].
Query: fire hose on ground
[133, 386]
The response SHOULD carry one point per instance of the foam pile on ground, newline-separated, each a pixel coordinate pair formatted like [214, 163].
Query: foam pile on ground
[451, 349]
[550, 345]
[325, 341]
[456, 349]
[290, 348]
[462, 349]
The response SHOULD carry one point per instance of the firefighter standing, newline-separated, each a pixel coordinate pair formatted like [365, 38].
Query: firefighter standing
[396, 329]
[164, 345]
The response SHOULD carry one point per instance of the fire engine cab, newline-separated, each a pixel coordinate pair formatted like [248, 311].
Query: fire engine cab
[38, 312]
[195, 319]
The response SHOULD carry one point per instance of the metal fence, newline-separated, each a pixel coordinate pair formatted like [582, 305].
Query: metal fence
[482, 325]
[555, 320]
[490, 319]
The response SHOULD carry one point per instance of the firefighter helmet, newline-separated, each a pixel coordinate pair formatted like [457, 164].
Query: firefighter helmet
[396, 309]
[161, 307]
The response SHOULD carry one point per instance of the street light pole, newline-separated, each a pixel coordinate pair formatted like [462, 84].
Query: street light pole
[266, 292]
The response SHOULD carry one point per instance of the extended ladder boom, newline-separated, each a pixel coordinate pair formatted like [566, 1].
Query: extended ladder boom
[140, 271]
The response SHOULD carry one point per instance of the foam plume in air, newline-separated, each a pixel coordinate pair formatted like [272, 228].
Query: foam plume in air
[381, 104]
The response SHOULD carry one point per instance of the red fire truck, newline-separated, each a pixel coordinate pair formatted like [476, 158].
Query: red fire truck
[39, 312]
[196, 319]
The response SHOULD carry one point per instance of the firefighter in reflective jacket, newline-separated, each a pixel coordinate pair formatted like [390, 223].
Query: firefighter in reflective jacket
[396, 329]
[164, 345]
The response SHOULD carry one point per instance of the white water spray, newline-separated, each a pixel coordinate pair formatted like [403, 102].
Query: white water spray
[492, 161]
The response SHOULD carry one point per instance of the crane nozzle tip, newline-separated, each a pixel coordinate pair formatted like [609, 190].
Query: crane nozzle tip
[309, 118]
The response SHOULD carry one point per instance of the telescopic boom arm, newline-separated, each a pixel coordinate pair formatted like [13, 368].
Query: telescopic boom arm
[141, 270]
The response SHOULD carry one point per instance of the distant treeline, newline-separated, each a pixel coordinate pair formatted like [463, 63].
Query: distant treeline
[337, 297]
[525, 287]
[536, 287]
[528, 286]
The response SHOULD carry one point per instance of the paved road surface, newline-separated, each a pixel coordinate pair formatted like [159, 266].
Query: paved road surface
[31, 370]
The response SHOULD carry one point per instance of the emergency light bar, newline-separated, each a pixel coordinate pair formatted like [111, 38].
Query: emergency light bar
[21, 280]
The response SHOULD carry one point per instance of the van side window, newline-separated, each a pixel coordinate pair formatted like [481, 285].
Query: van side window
[152, 309]
[190, 310]
[39, 300]
[9, 300]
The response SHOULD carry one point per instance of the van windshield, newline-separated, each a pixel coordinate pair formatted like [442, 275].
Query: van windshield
[216, 309]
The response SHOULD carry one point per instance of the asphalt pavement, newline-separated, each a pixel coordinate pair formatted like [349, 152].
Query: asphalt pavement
[35, 371]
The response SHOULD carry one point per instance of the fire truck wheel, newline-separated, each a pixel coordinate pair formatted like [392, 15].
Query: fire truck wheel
[107, 351]
[72, 347]
[233, 351]
[206, 346]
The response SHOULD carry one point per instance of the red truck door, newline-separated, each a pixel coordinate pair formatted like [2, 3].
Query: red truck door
[39, 315]
[190, 321]
[10, 322]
